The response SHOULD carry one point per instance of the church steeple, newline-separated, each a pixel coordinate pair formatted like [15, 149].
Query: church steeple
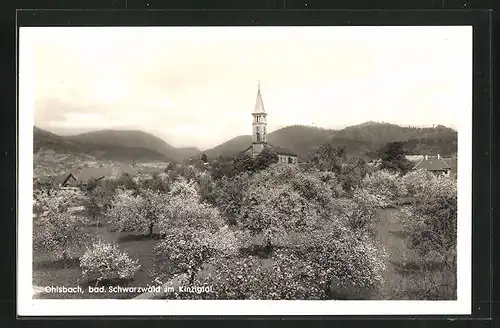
[259, 125]
[259, 104]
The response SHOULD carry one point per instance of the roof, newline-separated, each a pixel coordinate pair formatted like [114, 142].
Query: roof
[93, 173]
[432, 164]
[414, 158]
[259, 104]
[276, 149]
[282, 150]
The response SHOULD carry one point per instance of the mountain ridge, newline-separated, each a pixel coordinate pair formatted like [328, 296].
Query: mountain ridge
[360, 139]
[123, 145]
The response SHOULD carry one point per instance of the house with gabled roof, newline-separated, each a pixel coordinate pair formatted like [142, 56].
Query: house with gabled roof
[86, 175]
[434, 164]
[259, 133]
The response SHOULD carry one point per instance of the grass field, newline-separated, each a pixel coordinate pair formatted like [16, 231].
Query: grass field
[47, 272]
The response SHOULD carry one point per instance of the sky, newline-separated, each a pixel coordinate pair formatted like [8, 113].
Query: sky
[196, 86]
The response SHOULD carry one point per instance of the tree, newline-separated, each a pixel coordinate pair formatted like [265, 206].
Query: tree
[265, 159]
[271, 212]
[344, 264]
[393, 158]
[138, 213]
[204, 158]
[384, 185]
[55, 228]
[104, 261]
[352, 173]
[430, 225]
[191, 236]
[199, 164]
[221, 168]
[229, 193]
[243, 163]
[416, 181]
[169, 167]
[92, 205]
[205, 187]
[318, 265]
[328, 158]
[357, 213]
[126, 211]
[127, 182]
[431, 221]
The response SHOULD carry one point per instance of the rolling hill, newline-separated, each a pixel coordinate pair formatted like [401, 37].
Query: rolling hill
[111, 145]
[444, 145]
[135, 139]
[298, 138]
[361, 140]
[383, 133]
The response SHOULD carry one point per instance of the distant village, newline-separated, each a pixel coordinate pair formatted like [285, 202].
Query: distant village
[438, 165]
[97, 171]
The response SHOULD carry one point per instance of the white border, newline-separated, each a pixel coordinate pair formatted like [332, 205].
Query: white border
[27, 306]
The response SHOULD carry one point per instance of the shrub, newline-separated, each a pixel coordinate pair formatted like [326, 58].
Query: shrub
[104, 261]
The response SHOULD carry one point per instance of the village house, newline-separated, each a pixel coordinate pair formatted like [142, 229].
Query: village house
[85, 176]
[437, 165]
[259, 133]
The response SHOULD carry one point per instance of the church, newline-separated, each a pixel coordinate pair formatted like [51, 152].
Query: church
[259, 132]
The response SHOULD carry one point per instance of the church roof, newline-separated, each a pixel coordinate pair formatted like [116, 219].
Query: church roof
[282, 150]
[259, 104]
[276, 149]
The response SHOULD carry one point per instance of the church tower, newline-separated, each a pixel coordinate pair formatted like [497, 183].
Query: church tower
[259, 125]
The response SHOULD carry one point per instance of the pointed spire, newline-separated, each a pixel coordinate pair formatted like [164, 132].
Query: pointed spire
[259, 104]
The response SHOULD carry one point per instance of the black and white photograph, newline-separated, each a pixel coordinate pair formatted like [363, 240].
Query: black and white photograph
[181, 167]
